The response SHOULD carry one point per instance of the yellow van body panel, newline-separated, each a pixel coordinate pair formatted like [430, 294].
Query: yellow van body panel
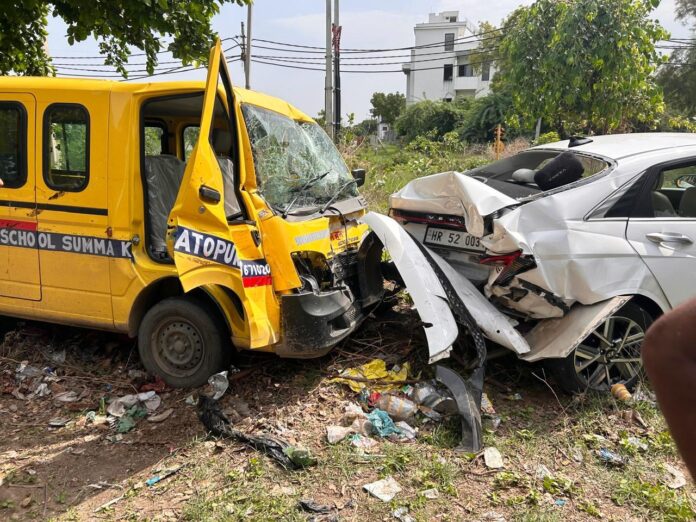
[90, 265]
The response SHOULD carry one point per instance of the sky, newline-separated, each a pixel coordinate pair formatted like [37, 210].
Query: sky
[366, 24]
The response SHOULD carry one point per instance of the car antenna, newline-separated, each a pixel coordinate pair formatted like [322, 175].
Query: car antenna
[576, 141]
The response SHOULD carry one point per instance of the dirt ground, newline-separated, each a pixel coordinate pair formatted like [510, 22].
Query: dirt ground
[56, 463]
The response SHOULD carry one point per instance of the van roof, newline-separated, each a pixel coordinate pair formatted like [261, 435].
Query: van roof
[39, 83]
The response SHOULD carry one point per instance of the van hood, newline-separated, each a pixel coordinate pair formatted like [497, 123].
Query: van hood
[452, 193]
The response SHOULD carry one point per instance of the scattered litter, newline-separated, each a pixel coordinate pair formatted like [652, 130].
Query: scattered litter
[219, 383]
[162, 475]
[362, 442]
[560, 502]
[492, 423]
[402, 515]
[493, 458]
[515, 397]
[407, 432]
[542, 472]
[620, 392]
[362, 426]
[335, 434]
[359, 377]
[310, 506]
[487, 405]
[150, 400]
[432, 401]
[636, 443]
[26, 502]
[382, 424]
[96, 419]
[158, 385]
[430, 494]
[385, 489]
[117, 437]
[24, 371]
[125, 424]
[398, 408]
[161, 416]
[67, 396]
[58, 422]
[42, 390]
[642, 395]
[300, 457]
[191, 400]
[676, 479]
[610, 458]
[577, 455]
[137, 374]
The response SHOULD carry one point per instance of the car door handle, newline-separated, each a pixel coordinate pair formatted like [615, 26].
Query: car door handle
[668, 237]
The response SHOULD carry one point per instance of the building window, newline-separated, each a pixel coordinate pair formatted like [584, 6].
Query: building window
[447, 72]
[486, 72]
[465, 69]
[13, 144]
[66, 147]
[449, 41]
[451, 19]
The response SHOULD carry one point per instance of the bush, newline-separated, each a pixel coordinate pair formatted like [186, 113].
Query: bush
[548, 137]
[430, 118]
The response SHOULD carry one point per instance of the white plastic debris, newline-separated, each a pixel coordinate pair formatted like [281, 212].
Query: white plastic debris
[676, 479]
[67, 396]
[385, 489]
[542, 472]
[402, 515]
[219, 383]
[335, 434]
[493, 458]
[24, 371]
[149, 399]
[407, 432]
[430, 494]
[362, 442]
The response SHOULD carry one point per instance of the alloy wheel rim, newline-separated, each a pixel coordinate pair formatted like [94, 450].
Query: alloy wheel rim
[610, 354]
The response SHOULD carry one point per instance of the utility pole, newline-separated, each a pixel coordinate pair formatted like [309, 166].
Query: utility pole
[328, 90]
[242, 47]
[247, 54]
[336, 33]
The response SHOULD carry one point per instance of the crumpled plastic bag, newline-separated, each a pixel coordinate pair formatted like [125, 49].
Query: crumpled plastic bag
[382, 424]
[374, 370]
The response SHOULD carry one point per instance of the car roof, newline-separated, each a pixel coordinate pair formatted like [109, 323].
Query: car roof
[618, 146]
[33, 84]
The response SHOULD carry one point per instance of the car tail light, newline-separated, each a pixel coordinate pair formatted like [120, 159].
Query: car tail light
[429, 219]
[512, 264]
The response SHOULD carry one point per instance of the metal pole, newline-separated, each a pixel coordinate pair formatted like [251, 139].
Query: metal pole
[328, 112]
[247, 55]
[337, 72]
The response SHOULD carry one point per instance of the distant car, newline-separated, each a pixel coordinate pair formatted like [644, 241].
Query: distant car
[580, 245]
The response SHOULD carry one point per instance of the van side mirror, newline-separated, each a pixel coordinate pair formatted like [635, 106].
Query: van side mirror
[359, 175]
[209, 194]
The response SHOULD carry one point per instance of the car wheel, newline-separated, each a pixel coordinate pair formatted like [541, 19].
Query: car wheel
[609, 355]
[181, 340]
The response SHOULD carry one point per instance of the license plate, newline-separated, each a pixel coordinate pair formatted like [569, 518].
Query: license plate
[453, 239]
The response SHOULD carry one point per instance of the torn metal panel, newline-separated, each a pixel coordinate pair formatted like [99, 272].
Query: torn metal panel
[495, 326]
[467, 395]
[423, 285]
[452, 193]
[555, 338]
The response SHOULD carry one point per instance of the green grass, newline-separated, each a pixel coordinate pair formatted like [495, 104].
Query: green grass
[660, 502]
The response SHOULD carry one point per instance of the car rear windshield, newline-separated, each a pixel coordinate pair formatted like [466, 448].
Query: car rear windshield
[499, 173]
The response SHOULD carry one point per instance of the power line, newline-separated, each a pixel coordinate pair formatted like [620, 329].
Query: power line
[101, 56]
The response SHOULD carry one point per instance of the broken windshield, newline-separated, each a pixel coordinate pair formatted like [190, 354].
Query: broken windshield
[297, 165]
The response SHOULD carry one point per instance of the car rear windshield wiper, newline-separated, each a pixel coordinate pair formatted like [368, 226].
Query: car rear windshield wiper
[301, 189]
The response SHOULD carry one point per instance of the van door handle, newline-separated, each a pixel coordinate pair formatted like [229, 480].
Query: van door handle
[209, 194]
[669, 237]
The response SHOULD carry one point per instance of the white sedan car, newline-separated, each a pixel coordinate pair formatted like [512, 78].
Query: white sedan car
[567, 252]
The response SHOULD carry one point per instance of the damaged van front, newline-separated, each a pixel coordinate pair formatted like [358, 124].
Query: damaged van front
[544, 239]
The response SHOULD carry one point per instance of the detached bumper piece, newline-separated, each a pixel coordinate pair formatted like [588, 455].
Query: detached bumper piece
[314, 322]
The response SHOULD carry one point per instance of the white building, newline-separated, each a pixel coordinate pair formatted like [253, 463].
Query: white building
[440, 66]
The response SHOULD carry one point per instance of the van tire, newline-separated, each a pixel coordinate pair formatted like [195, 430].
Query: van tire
[183, 341]
[572, 381]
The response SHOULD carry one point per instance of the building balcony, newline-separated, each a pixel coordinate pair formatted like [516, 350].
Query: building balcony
[467, 83]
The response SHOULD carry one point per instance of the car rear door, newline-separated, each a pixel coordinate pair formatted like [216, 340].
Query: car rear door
[665, 236]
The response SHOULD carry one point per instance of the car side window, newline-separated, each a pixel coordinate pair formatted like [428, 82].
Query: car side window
[66, 147]
[155, 134]
[13, 144]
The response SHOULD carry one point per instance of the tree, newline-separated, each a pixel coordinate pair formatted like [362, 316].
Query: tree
[387, 106]
[582, 65]
[678, 76]
[484, 115]
[115, 25]
[435, 118]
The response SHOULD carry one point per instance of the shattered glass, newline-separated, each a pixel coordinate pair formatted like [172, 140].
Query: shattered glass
[288, 154]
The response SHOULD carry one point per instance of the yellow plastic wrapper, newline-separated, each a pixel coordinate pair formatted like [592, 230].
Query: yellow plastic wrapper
[375, 370]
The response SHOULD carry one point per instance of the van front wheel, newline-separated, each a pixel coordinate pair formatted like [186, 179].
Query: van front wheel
[181, 341]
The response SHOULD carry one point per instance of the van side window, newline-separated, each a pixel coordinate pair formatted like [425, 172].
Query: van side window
[189, 139]
[155, 139]
[13, 144]
[66, 147]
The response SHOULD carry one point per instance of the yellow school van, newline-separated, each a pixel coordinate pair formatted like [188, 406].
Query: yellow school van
[199, 217]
